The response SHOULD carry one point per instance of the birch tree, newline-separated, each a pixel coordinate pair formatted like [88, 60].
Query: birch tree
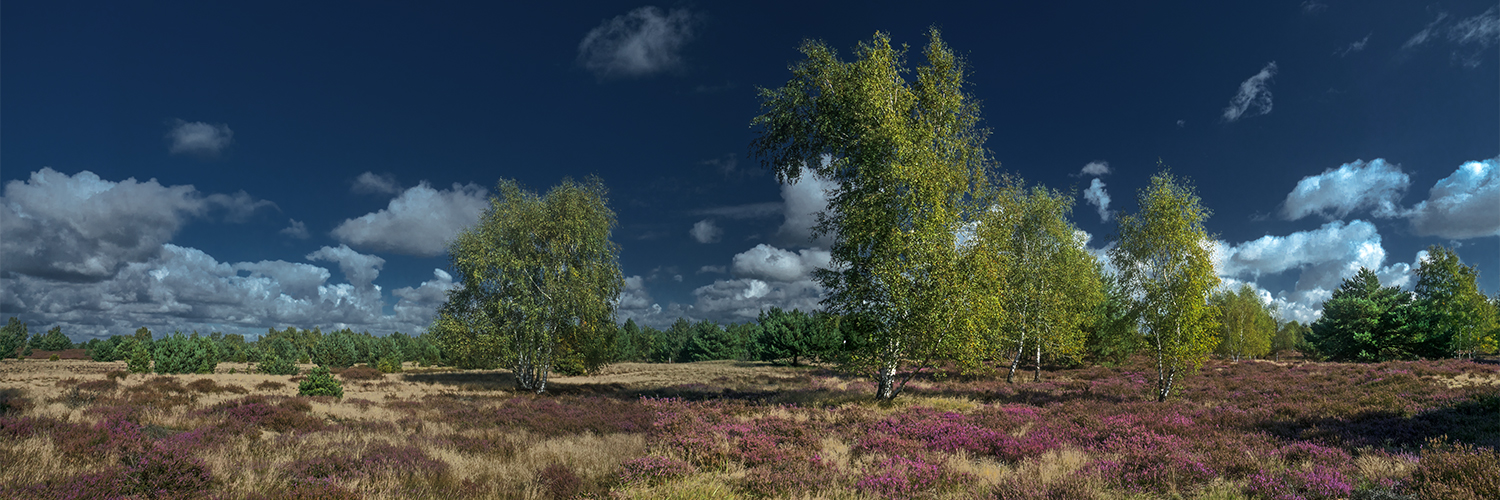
[1042, 286]
[907, 158]
[539, 274]
[1248, 324]
[1164, 263]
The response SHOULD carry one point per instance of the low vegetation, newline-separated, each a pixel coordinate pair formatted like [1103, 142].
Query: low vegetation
[726, 429]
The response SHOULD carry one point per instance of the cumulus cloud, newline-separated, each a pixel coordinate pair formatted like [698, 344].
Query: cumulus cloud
[741, 300]
[199, 138]
[713, 269]
[296, 229]
[1097, 168]
[369, 183]
[803, 200]
[185, 289]
[639, 43]
[359, 269]
[84, 228]
[1254, 97]
[1469, 37]
[420, 222]
[1466, 204]
[1098, 197]
[704, 231]
[1335, 193]
[770, 263]
[1323, 258]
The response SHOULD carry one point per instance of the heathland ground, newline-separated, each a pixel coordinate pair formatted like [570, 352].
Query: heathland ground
[728, 429]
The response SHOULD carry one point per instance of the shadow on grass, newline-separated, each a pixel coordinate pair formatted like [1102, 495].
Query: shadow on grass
[1475, 421]
[504, 381]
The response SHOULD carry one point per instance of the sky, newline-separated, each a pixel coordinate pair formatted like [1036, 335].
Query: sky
[239, 166]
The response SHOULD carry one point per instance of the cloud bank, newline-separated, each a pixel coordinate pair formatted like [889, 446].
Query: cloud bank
[1466, 204]
[82, 228]
[1335, 193]
[420, 222]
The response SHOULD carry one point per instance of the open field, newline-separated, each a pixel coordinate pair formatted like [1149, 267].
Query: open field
[1258, 429]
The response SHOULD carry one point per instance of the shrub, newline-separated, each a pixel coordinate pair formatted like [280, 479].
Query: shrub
[1456, 471]
[269, 385]
[117, 374]
[653, 469]
[13, 400]
[53, 357]
[361, 373]
[138, 358]
[320, 383]
[560, 481]
[388, 365]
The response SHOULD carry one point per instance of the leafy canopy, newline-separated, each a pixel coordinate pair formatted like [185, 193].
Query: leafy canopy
[540, 276]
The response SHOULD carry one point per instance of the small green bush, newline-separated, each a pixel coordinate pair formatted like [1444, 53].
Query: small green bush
[53, 357]
[320, 382]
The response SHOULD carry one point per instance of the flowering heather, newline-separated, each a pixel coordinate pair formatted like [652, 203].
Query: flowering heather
[1254, 430]
[654, 469]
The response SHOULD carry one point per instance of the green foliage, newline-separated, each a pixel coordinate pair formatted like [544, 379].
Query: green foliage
[908, 161]
[1363, 321]
[795, 336]
[12, 337]
[138, 355]
[1113, 332]
[279, 357]
[1031, 284]
[709, 341]
[320, 382]
[672, 342]
[1165, 265]
[540, 276]
[1248, 324]
[181, 354]
[1291, 336]
[632, 343]
[336, 350]
[1452, 316]
[54, 341]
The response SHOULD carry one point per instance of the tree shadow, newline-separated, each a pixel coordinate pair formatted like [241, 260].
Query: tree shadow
[1475, 421]
[505, 381]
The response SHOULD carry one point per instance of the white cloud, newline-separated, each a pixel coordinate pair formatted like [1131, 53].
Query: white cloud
[1353, 47]
[704, 231]
[1098, 197]
[1335, 193]
[1097, 168]
[369, 183]
[296, 229]
[1323, 258]
[83, 228]
[359, 269]
[420, 222]
[713, 269]
[774, 264]
[186, 290]
[741, 300]
[199, 138]
[639, 43]
[804, 200]
[1469, 37]
[1254, 97]
[1466, 204]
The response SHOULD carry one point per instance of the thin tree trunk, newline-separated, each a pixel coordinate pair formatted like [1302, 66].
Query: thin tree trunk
[1015, 362]
[886, 379]
[1038, 376]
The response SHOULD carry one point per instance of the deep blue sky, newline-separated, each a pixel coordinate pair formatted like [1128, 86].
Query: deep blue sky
[258, 119]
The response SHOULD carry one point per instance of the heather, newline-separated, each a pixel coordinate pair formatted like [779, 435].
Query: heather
[1249, 429]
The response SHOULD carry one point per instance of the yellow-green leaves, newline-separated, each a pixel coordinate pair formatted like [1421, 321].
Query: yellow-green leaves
[908, 160]
[1164, 262]
[540, 275]
[1247, 323]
